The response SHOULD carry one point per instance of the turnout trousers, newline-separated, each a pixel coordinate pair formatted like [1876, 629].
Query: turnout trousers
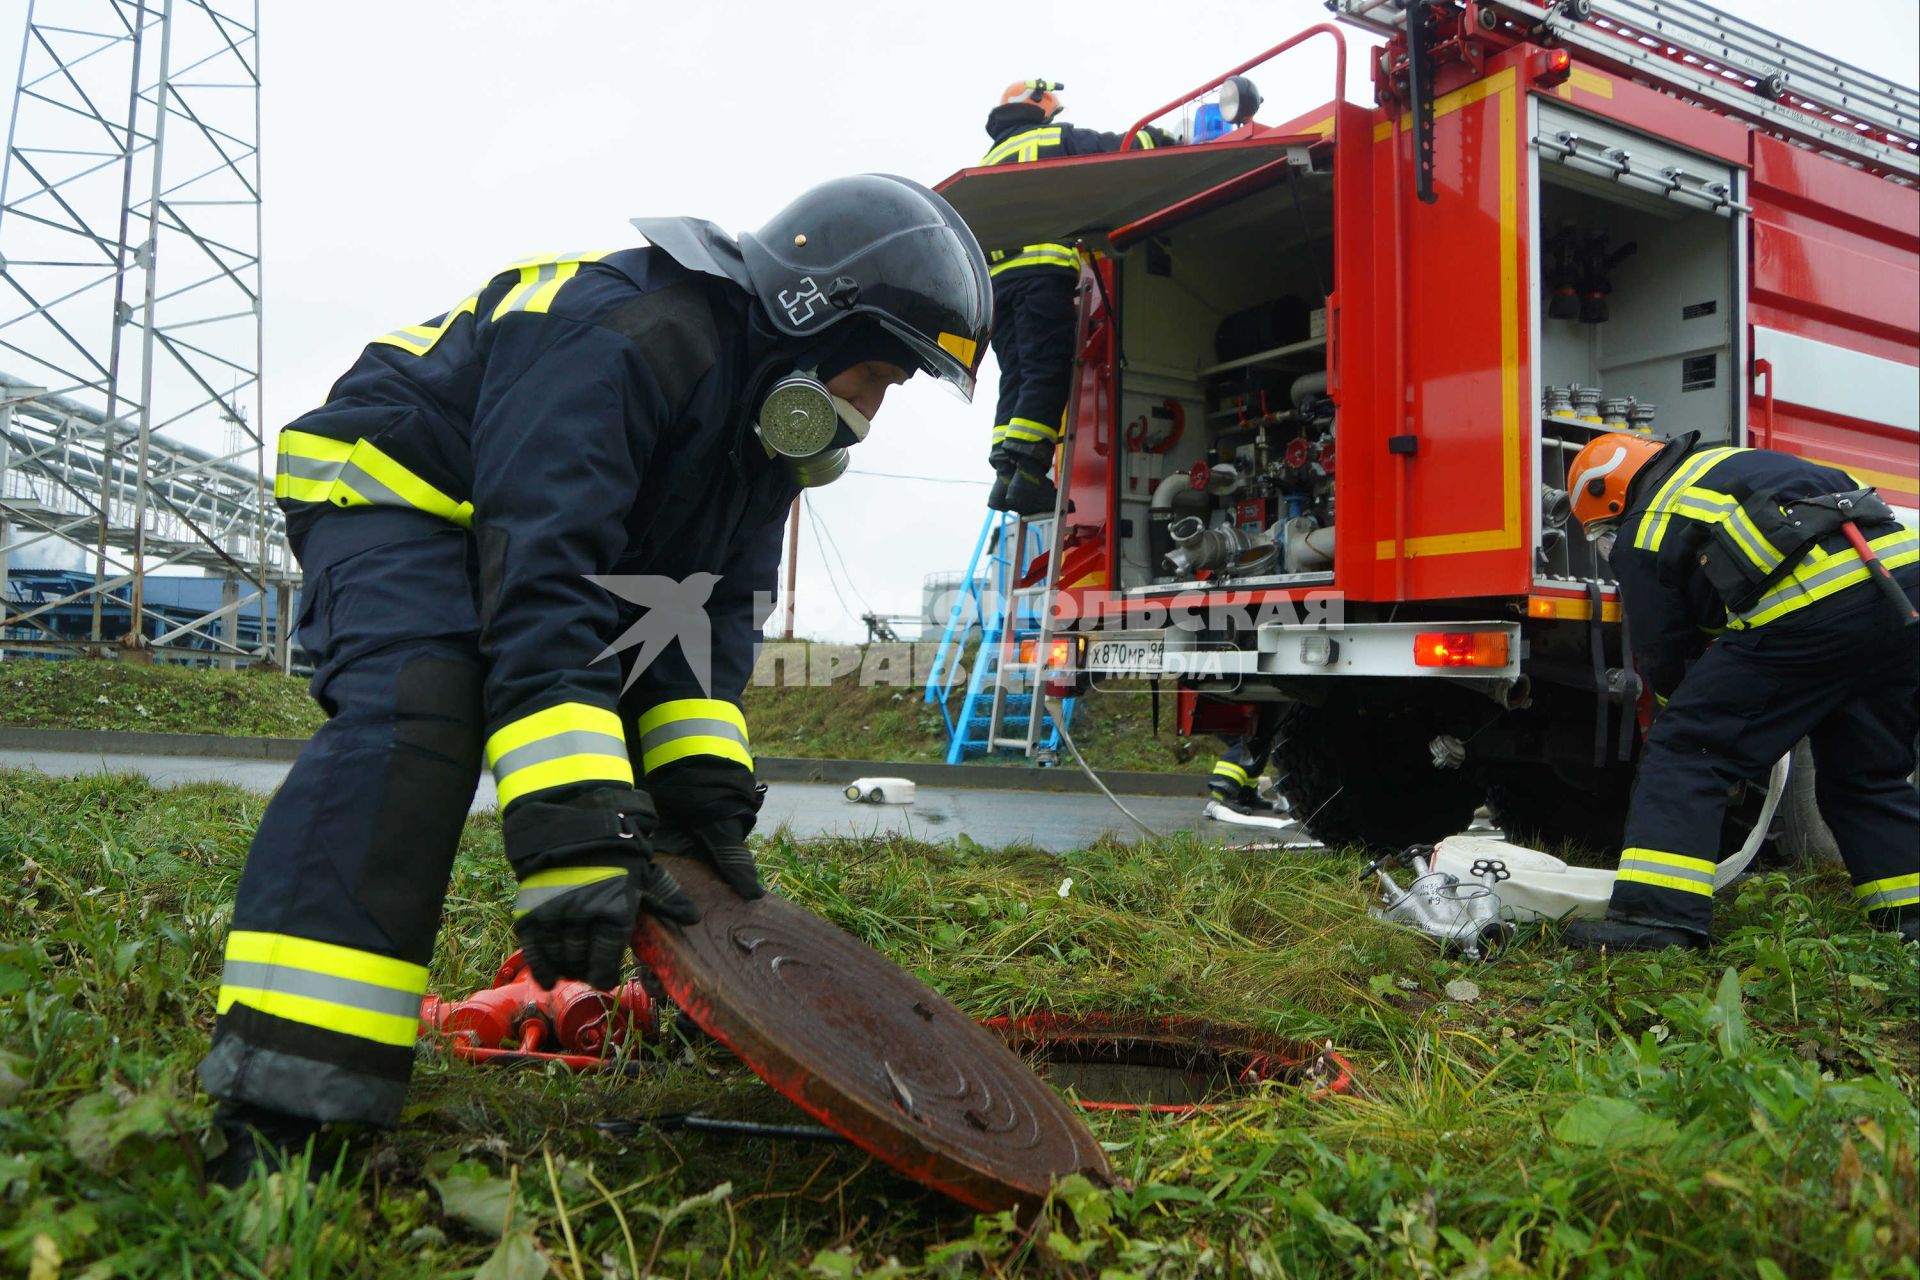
[1032, 340]
[1236, 773]
[1846, 677]
[340, 899]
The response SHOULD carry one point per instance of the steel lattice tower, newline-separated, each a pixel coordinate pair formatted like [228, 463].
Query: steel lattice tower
[130, 307]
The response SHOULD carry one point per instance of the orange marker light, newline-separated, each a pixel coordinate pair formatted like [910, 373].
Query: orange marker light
[1559, 67]
[1460, 649]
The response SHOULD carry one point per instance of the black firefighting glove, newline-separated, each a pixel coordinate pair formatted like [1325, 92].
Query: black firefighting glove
[586, 872]
[707, 807]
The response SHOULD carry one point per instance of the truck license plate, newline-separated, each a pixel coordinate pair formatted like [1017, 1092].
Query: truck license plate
[1125, 655]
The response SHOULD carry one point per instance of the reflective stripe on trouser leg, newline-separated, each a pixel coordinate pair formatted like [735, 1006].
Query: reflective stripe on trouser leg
[693, 727]
[1889, 894]
[558, 746]
[1228, 780]
[335, 917]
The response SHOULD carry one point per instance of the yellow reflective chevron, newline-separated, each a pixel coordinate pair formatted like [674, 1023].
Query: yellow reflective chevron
[557, 747]
[1037, 255]
[1666, 870]
[693, 727]
[418, 339]
[1024, 147]
[315, 468]
[1821, 574]
[339, 989]
[540, 281]
[1653, 522]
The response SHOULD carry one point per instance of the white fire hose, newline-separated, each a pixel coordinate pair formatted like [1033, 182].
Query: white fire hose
[1466, 894]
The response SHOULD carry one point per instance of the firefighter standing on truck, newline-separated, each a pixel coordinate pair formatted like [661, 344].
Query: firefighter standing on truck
[1033, 304]
[647, 411]
[1757, 622]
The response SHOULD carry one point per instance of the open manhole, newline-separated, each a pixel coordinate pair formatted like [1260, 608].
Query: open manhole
[1165, 1065]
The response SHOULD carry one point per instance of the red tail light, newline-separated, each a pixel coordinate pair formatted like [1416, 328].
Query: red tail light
[1460, 649]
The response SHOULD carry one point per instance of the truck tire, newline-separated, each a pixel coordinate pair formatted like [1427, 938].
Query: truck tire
[1538, 808]
[1363, 776]
[1801, 834]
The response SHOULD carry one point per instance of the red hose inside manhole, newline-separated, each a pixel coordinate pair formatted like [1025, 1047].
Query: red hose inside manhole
[1165, 1066]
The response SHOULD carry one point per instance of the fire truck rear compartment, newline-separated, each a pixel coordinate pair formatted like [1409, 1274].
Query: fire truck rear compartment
[1636, 304]
[1222, 334]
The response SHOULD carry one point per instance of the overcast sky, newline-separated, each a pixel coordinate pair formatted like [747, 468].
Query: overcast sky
[413, 149]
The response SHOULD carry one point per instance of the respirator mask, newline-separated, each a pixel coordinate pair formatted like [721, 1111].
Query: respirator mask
[810, 427]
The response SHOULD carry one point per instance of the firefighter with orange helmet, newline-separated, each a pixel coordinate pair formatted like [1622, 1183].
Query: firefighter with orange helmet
[1033, 303]
[1747, 580]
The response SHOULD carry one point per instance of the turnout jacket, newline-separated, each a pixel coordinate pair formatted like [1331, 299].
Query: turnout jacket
[1018, 139]
[582, 414]
[1689, 498]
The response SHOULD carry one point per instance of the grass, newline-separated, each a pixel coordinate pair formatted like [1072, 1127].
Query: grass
[93, 693]
[1746, 1113]
[837, 720]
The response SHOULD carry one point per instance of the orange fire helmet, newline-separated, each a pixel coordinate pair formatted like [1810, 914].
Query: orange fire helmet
[1601, 472]
[1038, 92]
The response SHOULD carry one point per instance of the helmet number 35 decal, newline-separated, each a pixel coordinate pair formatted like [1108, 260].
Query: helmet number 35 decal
[800, 303]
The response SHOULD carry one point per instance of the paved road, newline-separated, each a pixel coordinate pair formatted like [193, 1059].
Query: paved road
[1054, 822]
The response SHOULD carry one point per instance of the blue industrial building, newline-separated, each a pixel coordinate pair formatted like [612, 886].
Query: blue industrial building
[170, 600]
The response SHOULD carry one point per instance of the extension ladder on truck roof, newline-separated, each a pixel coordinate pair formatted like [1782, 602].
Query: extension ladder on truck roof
[1724, 61]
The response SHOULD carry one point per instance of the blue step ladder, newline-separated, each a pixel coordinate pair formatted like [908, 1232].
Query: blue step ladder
[998, 711]
[1006, 707]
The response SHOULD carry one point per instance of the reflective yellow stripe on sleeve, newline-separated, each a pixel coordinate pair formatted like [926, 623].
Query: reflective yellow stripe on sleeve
[557, 747]
[339, 989]
[315, 468]
[1228, 769]
[1666, 871]
[693, 727]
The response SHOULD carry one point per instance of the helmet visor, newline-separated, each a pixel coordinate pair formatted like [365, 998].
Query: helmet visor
[952, 359]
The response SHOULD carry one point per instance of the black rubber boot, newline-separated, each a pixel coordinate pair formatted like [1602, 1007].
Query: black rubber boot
[1624, 935]
[256, 1135]
[1030, 493]
[997, 496]
[1904, 922]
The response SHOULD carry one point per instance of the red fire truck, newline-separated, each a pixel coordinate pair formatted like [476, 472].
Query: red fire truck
[1331, 372]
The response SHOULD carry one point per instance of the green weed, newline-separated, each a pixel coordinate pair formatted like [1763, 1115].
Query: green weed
[1750, 1112]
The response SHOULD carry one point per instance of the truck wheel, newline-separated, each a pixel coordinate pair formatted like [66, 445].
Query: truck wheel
[1363, 776]
[1802, 834]
[1536, 807]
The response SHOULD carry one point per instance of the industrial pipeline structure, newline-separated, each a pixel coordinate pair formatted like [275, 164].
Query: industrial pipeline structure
[1331, 372]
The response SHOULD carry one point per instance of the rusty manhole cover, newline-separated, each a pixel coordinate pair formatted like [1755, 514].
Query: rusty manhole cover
[865, 1047]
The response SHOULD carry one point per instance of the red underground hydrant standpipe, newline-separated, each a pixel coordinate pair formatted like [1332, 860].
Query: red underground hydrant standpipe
[572, 1024]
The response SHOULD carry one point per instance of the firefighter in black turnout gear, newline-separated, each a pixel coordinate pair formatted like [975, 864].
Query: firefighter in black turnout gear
[1757, 621]
[1033, 304]
[592, 454]
[1235, 780]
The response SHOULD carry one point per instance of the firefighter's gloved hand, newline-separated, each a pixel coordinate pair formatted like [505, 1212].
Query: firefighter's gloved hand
[586, 872]
[722, 846]
[707, 806]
